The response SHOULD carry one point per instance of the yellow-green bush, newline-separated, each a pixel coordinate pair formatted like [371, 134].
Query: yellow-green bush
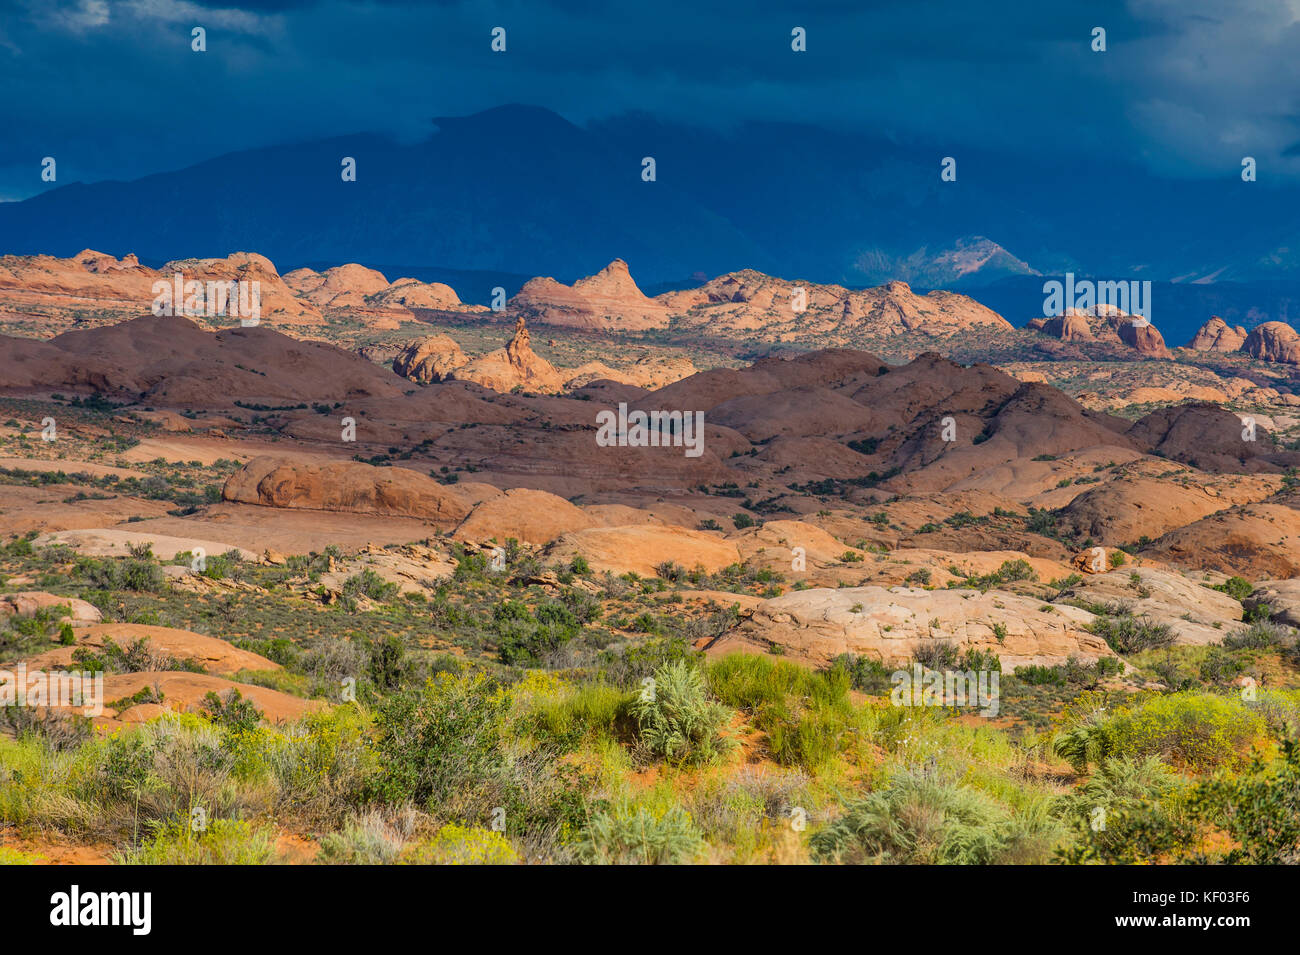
[1197, 731]
[223, 842]
[461, 845]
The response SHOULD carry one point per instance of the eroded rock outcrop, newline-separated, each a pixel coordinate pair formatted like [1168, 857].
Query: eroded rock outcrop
[344, 486]
[1273, 341]
[890, 624]
[1218, 335]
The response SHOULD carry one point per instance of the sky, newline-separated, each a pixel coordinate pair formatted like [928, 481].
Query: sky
[1185, 88]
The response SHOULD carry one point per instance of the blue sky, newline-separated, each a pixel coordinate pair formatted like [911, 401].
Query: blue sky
[1186, 88]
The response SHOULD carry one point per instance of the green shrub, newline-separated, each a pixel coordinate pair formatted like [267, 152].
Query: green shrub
[223, 842]
[628, 835]
[524, 638]
[1259, 809]
[1197, 730]
[677, 720]
[1238, 588]
[369, 584]
[461, 845]
[440, 742]
[1126, 634]
[231, 710]
[1103, 808]
[916, 820]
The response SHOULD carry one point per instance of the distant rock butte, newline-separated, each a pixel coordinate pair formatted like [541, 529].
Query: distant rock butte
[749, 301]
[1273, 341]
[124, 287]
[1218, 335]
[1144, 338]
[1105, 324]
[364, 294]
[607, 300]
[515, 366]
[430, 359]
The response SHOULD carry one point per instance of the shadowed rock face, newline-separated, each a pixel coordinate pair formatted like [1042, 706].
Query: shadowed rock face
[1144, 339]
[1206, 436]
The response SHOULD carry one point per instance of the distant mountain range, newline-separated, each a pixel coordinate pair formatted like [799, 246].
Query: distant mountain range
[519, 191]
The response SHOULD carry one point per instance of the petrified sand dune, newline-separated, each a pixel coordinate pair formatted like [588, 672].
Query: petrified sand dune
[172, 362]
[1273, 341]
[608, 299]
[25, 603]
[640, 548]
[412, 293]
[1195, 613]
[344, 486]
[747, 301]
[1204, 435]
[533, 517]
[93, 281]
[430, 359]
[889, 624]
[1218, 335]
[216, 656]
[1260, 540]
[1138, 505]
[183, 692]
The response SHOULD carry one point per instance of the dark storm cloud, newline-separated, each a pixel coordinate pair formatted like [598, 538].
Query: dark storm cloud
[112, 89]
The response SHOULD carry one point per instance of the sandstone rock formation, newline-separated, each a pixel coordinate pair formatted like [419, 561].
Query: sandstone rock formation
[412, 293]
[890, 624]
[344, 486]
[640, 548]
[1201, 434]
[1138, 504]
[1260, 540]
[1280, 597]
[24, 604]
[609, 299]
[1069, 328]
[1273, 341]
[749, 301]
[533, 517]
[279, 305]
[1144, 338]
[430, 359]
[213, 654]
[172, 362]
[515, 366]
[110, 289]
[1195, 613]
[1218, 335]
